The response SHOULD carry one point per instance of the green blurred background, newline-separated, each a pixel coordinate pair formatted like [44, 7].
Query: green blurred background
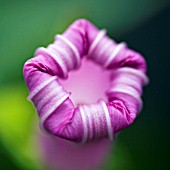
[143, 24]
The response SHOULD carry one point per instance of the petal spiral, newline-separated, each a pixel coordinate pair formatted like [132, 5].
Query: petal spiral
[83, 123]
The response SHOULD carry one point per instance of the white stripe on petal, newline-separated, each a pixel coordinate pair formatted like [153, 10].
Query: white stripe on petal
[40, 87]
[52, 109]
[135, 72]
[95, 42]
[116, 50]
[84, 139]
[71, 45]
[108, 120]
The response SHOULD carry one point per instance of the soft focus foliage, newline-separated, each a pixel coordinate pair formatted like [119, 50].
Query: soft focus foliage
[17, 126]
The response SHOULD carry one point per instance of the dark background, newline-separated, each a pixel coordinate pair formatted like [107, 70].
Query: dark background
[144, 25]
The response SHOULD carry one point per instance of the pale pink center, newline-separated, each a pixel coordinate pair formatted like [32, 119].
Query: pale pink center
[87, 84]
